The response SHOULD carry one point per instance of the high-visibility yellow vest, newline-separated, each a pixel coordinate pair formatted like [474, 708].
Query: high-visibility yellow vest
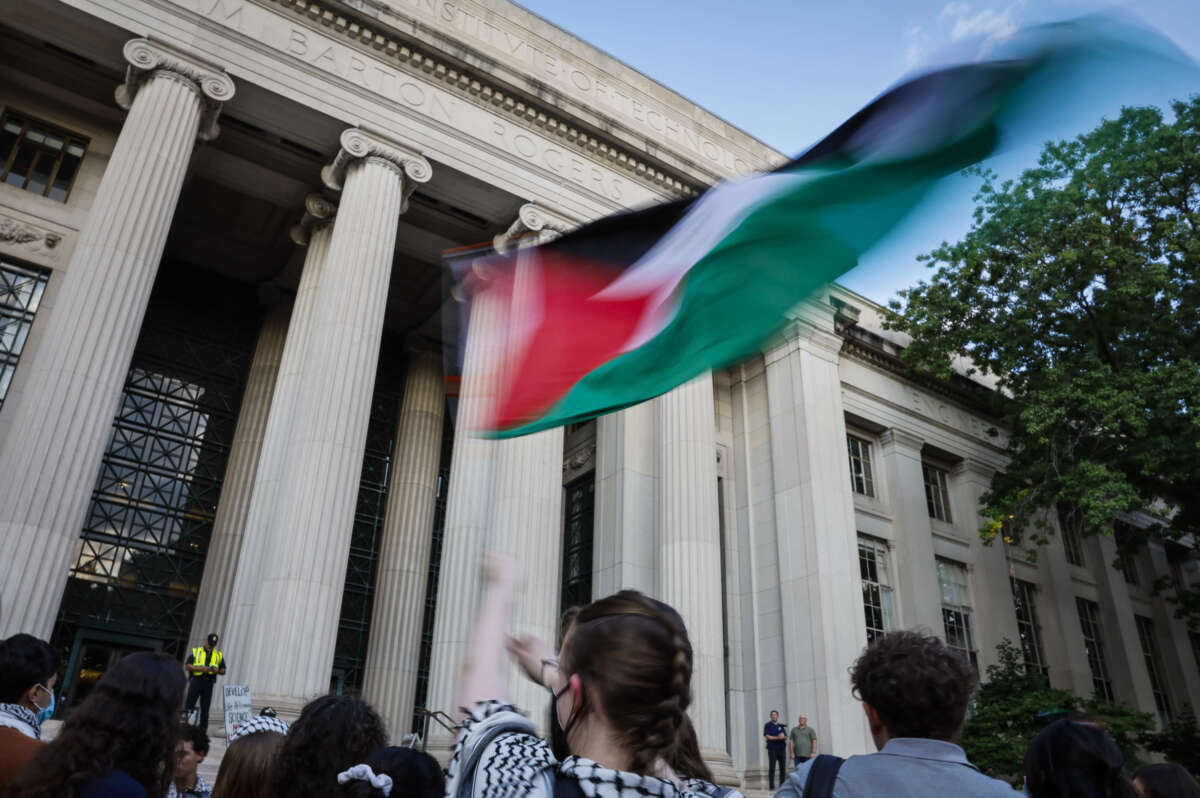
[215, 660]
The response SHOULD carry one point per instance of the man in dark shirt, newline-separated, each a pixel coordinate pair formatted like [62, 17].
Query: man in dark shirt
[776, 736]
[204, 665]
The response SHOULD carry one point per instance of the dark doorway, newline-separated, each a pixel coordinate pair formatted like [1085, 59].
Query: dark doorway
[91, 657]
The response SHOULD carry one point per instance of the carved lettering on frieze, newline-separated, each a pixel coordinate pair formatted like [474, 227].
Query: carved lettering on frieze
[458, 101]
[563, 71]
[953, 416]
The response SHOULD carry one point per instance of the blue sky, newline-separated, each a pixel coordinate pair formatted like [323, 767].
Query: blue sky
[789, 71]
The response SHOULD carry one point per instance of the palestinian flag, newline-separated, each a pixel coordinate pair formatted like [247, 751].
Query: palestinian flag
[632, 305]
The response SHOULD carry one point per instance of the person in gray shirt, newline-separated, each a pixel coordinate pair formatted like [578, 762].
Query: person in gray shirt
[914, 691]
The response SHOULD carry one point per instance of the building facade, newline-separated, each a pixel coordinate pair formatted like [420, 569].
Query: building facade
[224, 402]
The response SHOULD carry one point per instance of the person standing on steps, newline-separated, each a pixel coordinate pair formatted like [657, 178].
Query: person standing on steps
[776, 736]
[204, 665]
[802, 742]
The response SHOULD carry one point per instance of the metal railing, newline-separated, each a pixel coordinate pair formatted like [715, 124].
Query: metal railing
[442, 719]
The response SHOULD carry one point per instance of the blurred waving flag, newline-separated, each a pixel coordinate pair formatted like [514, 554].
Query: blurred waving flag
[629, 306]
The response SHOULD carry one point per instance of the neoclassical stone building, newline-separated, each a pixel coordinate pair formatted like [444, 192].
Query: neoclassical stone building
[227, 401]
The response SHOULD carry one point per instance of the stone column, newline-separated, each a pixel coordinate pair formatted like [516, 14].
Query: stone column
[757, 650]
[307, 525]
[1180, 659]
[506, 495]
[626, 522]
[918, 594]
[221, 561]
[314, 231]
[820, 585]
[995, 615]
[690, 553]
[393, 651]
[1068, 663]
[468, 518]
[59, 432]
[1122, 644]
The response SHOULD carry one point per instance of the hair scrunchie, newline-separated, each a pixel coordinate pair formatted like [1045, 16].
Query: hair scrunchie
[380, 781]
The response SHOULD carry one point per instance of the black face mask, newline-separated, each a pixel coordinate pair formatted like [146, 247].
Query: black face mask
[558, 732]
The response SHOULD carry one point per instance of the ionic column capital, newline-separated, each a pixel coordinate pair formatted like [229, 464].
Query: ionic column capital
[408, 164]
[534, 218]
[318, 212]
[209, 81]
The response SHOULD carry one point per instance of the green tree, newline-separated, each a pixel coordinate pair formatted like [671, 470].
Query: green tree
[1076, 289]
[1179, 742]
[1013, 705]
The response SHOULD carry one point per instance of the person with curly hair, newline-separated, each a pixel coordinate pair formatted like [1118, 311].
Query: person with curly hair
[190, 752]
[332, 733]
[119, 743]
[914, 690]
[620, 687]
[394, 772]
[1069, 759]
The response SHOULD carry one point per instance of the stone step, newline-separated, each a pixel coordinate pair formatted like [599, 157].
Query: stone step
[216, 751]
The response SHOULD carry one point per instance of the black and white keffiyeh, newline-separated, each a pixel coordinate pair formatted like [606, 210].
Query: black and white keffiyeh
[499, 755]
[258, 724]
[23, 719]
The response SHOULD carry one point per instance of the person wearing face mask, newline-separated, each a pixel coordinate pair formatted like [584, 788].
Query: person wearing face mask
[28, 673]
[620, 687]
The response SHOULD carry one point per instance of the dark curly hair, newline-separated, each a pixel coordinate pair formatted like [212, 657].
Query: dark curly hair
[332, 733]
[634, 656]
[1075, 760]
[197, 737]
[130, 722]
[414, 774]
[918, 685]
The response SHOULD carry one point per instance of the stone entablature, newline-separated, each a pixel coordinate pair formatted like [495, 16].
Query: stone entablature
[683, 158]
[524, 50]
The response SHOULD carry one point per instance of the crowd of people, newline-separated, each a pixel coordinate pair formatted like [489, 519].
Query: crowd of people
[620, 688]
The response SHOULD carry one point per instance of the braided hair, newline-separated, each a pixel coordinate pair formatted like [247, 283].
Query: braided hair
[635, 660]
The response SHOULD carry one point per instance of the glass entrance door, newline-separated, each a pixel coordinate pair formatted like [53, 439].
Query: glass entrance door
[91, 658]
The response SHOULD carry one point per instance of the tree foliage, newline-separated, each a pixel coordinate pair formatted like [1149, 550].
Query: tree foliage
[1013, 705]
[1076, 288]
[1179, 742]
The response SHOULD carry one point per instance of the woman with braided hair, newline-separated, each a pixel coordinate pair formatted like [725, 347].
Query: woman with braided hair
[620, 687]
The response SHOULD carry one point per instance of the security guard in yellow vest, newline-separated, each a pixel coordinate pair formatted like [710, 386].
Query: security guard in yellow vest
[204, 665]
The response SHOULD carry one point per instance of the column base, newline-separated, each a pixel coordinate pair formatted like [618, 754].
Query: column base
[287, 708]
[721, 765]
[757, 779]
[440, 747]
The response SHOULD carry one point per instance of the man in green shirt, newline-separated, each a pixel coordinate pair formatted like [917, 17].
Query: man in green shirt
[802, 742]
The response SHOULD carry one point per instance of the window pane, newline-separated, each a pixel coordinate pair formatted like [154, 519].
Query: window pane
[860, 465]
[37, 150]
[39, 176]
[64, 178]
[1154, 668]
[1089, 622]
[20, 291]
[956, 608]
[877, 596]
[20, 166]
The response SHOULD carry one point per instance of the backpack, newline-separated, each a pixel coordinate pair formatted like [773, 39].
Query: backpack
[821, 776]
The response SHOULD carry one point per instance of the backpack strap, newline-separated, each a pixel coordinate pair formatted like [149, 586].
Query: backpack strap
[821, 776]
